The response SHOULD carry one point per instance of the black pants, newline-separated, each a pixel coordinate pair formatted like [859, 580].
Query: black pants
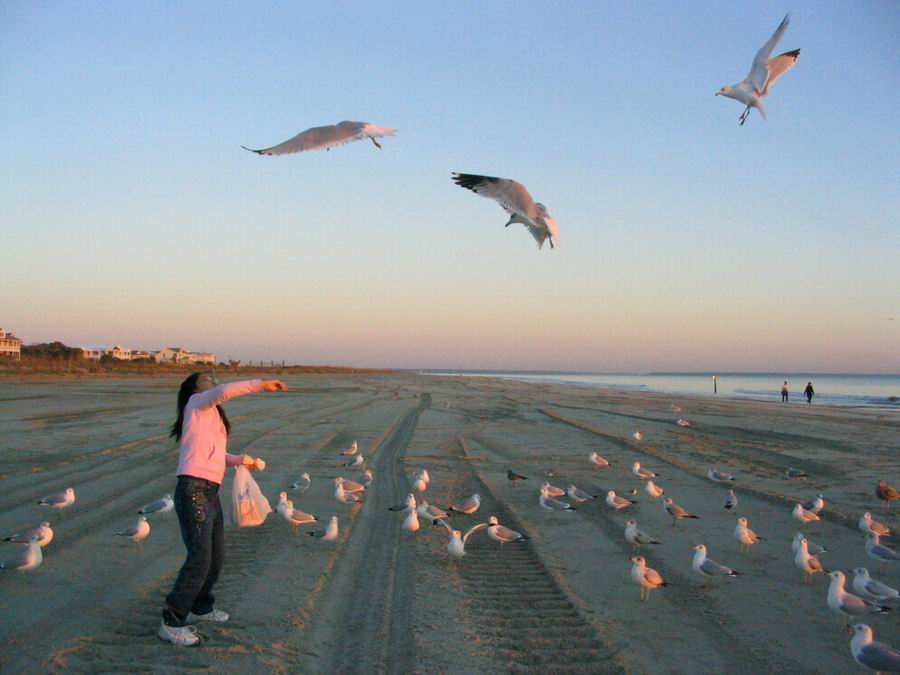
[784, 396]
[203, 530]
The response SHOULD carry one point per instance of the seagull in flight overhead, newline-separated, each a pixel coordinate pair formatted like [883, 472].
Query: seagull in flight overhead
[325, 138]
[517, 202]
[763, 73]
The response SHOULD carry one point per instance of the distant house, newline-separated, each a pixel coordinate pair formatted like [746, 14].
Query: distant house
[96, 353]
[10, 345]
[171, 355]
[140, 354]
[179, 355]
[119, 353]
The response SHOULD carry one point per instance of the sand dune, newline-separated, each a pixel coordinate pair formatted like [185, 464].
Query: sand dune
[382, 600]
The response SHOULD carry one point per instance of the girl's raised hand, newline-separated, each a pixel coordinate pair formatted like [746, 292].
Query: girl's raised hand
[273, 385]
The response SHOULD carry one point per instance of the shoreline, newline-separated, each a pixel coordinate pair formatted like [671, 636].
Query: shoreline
[872, 401]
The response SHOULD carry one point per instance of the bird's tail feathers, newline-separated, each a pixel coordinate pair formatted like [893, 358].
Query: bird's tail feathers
[372, 130]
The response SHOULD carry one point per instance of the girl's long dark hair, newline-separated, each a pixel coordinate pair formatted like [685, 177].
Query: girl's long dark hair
[187, 390]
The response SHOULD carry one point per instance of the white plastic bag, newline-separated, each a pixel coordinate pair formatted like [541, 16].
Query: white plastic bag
[249, 507]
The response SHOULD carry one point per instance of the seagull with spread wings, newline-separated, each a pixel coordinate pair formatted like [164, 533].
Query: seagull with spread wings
[325, 138]
[517, 202]
[763, 73]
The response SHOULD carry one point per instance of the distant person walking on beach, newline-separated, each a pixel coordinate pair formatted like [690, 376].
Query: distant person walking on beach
[202, 429]
[784, 392]
[808, 392]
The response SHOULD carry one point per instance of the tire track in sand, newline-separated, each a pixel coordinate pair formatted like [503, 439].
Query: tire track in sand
[503, 586]
[363, 624]
[128, 634]
[739, 652]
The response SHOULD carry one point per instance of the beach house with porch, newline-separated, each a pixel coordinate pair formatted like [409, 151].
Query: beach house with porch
[10, 345]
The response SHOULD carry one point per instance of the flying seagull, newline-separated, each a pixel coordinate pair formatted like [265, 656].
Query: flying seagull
[325, 138]
[763, 73]
[514, 198]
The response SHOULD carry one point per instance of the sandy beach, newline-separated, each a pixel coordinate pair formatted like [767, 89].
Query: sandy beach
[382, 600]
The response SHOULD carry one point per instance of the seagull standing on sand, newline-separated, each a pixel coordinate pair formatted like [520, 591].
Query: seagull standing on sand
[43, 532]
[868, 525]
[548, 503]
[646, 577]
[517, 202]
[847, 604]
[815, 505]
[421, 480]
[598, 461]
[676, 511]
[638, 436]
[803, 515]
[356, 460]
[873, 655]
[294, 517]
[720, 476]
[411, 522]
[366, 477]
[886, 493]
[795, 473]
[513, 477]
[683, 423]
[745, 535]
[327, 533]
[351, 485]
[27, 560]
[872, 589]
[163, 505]
[468, 506]
[433, 513]
[708, 568]
[653, 490]
[617, 502]
[408, 505]
[301, 483]
[731, 500]
[552, 490]
[325, 138]
[879, 552]
[457, 544]
[636, 537]
[349, 452]
[137, 532]
[807, 564]
[763, 73]
[60, 501]
[501, 534]
[341, 495]
[643, 474]
[812, 546]
[579, 495]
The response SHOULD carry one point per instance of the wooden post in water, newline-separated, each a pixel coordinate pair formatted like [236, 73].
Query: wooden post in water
[715, 385]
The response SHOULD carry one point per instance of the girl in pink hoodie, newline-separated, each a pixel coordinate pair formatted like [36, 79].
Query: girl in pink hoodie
[202, 429]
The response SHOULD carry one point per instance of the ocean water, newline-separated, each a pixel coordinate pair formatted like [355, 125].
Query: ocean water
[880, 391]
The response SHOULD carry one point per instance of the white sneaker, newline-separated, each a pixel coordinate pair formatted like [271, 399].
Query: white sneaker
[183, 636]
[216, 615]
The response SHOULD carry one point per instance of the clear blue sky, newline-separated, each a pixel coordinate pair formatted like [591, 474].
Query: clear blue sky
[130, 213]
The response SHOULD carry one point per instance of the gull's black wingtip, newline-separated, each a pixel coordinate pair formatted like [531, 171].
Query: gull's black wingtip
[258, 152]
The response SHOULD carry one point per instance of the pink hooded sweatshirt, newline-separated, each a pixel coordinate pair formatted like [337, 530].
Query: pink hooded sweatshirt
[203, 436]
